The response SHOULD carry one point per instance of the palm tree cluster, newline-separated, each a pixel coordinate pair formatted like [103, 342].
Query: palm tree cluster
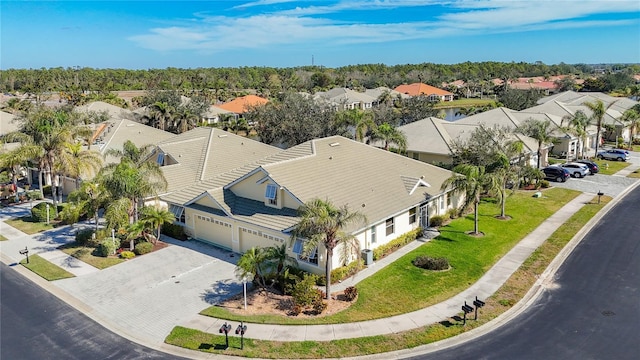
[269, 266]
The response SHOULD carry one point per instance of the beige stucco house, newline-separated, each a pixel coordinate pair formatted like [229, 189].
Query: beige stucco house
[256, 204]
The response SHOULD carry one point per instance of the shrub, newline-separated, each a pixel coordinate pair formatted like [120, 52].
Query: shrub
[395, 244]
[429, 263]
[344, 272]
[127, 255]
[544, 184]
[452, 213]
[34, 195]
[321, 280]
[39, 212]
[304, 293]
[107, 247]
[350, 293]
[46, 190]
[143, 248]
[436, 221]
[83, 236]
[319, 306]
[71, 213]
[175, 231]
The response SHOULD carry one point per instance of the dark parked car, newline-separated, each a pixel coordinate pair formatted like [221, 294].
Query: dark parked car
[593, 167]
[556, 173]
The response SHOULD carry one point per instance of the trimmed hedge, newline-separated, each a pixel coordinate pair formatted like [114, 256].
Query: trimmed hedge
[39, 212]
[429, 263]
[436, 221]
[127, 255]
[107, 247]
[173, 230]
[395, 244]
[344, 272]
[143, 248]
[83, 237]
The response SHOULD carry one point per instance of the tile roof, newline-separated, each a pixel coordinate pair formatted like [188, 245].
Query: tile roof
[240, 105]
[114, 112]
[8, 123]
[416, 89]
[116, 132]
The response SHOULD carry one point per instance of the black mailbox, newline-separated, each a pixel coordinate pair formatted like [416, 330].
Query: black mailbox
[478, 303]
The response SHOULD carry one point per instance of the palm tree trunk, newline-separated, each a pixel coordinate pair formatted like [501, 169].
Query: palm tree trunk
[475, 220]
[327, 270]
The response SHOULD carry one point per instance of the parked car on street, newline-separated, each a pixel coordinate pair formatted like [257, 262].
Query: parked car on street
[576, 169]
[556, 173]
[593, 167]
[613, 154]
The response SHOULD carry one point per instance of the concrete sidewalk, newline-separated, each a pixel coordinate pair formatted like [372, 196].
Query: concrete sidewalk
[483, 288]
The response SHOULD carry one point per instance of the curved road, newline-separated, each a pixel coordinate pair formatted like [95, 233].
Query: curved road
[592, 311]
[38, 325]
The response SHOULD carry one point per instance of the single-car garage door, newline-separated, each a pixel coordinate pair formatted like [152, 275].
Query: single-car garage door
[213, 231]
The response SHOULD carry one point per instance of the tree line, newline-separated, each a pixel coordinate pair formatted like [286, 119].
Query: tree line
[222, 83]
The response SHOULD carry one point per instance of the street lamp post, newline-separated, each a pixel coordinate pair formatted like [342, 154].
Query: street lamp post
[244, 285]
[113, 238]
[47, 213]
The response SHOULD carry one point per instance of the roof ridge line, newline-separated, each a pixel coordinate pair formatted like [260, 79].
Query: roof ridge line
[206, 155]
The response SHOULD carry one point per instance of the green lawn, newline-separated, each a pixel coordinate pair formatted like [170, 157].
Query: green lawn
[635, 174]
[503, 299]
[463, 103]
[45, 269]
[28, 226]
[84, 254]
[610, 167]
[2, 238]
[401, 287]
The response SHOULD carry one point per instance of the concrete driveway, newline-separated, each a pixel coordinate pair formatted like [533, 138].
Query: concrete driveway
[610, 185]
[151, 294]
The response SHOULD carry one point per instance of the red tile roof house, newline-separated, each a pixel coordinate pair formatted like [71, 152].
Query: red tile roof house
[242, 104]
[432, 92]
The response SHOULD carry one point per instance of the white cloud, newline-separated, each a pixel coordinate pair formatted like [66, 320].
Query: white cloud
[298, 26]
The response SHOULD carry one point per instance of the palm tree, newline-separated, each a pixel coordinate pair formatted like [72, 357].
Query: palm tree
[156, 217]
[186, 120]
[632, 118]
[250, 265]
[361, 120]
[577, 124]
[16, 159]
[598, 111]
[389, 135]
[76, 162]
[323, 223]
[160, 114]
[540, 130]
[471, 180]
[279, 258]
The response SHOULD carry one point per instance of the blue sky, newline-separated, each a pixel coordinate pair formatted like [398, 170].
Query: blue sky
[332, 33]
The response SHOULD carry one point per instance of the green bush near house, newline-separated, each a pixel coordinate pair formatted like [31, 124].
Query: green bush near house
[174, 231]
[344, 272]
[127, 255]
[107, 247]
[39, 212]
[395, 244]
[34, 195]
[83, 237]
[436, 221]
[430, 263]
[143, 248]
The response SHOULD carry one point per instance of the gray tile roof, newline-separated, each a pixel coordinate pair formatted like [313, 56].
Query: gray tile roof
[205, 153]
[114, 112]
[7, 123]
[375, 182]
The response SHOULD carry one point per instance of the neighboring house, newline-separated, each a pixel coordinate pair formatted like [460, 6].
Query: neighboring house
[8, 124]
[241, 105]
[431, 140]
[379, 91]
[115, 112]
[344, 99]
[214, 114]
[432, 92]
[256, 204]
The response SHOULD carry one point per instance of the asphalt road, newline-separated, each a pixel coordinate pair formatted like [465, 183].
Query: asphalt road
[592, 311]
[37, 325]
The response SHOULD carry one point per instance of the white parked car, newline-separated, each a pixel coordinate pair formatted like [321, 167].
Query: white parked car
[577, 170]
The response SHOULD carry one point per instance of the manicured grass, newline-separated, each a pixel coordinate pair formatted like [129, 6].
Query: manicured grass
[463, 103]
[2, 238]
[84, 254]
[402, 287]
[512, 291]
[28, 226]
[610, 167]
[45, 269]
[635, 174]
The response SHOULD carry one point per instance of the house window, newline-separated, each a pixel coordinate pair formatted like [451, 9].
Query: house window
[161, 159]
[389, 226]
[178, 212]
[271, 194]
[298, 249]
[448, 201]
[412, 216]
[373, 234]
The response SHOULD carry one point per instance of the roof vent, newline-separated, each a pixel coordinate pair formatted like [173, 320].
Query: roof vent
[330, 157]
[130, 125]
[334, 144]
[222, 135]
[422, 177]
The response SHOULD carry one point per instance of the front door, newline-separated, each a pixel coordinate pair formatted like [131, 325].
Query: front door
[424, 215]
